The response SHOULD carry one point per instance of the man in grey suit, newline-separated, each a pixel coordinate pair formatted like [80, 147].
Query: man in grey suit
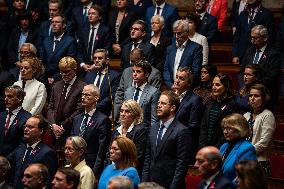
[126, 79]
[142, 92]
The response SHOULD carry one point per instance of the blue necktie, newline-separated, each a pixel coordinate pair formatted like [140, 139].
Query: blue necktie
[84, 125]
[136, 94]
[255, 61]
[160, 134]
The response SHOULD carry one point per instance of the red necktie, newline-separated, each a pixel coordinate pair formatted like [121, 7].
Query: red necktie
[7, 124]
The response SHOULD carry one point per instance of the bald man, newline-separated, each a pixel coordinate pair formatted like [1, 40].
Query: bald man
[209, 165]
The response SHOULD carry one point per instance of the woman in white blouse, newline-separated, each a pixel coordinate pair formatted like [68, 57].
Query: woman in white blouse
[194, 23]
[35, 97]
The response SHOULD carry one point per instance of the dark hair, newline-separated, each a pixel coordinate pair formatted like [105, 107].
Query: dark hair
[20, 93]
[59, 2]
[26, 15]
[42, 171]
[211, 68]
[264, 92]
[5, 168]
[145, 65]
[227, 82]
[142, 23]
[190, 76]
[72, 176]
[98, 9]
[42, 123]
[64, 21]
[256, 70]
[195, 18]
[251, 174]
[173, 98]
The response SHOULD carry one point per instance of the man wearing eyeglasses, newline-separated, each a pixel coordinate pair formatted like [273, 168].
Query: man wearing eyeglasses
[137, 35]
[182, 53]
[12, 119]
[32, 151]
[65, 101]
[169, 146]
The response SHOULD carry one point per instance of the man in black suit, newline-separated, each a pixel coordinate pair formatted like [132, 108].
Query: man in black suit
[208, 26]
[32, 151]
[95, 128]
[268, 59]
[209, 164]
[35, 176]
[65, 101]
[190, 109]
[104, 78]
[94, 35]
[5, 168]
[12, 120]
[169, 146]
[137, 34]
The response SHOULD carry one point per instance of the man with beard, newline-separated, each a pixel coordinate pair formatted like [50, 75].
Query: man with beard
[169, 149]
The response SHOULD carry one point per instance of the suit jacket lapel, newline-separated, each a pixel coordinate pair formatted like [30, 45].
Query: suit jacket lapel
[233, 152]
[185, 99]
[71, 89]
[2, 125]
[165, 138]
[129, 93]
[58, 93]
[144, 95]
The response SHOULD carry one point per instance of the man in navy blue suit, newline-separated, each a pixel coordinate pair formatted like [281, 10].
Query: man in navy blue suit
[169, 12]
[56, 47]
[104, 78]
[254, 14]
[183, 53]
[169, 146]
[12, 120]
[93, 36]
[32, 151]
[95, 128]
[209, 165]
[209, 24]
[190, 110]
[137, 35]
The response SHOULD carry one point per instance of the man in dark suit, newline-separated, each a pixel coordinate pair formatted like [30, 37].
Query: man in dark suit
[65, 101]
[209, 165]
[94, 35]
[183, 53]
[35, 176]
[142, 92]
[169, 146]
[95, 128]
[32, 151]
[137, 34]
[105, 79]
[56, 47]
[268, 59]
[254, 14]
[169, 12]
[5, 168]
[139, 6]
[12, 120]
[190, 109]
[6, 79]
[208, 26]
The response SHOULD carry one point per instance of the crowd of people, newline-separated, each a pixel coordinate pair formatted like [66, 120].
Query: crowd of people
[68, 120]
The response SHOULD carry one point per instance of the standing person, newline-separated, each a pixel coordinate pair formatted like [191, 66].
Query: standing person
[236, 148]
[32, 151]
[218, 8]
[30, 69]
[65, 101]
[75, 149]
[35, 176]
[262, 125]
[12, 120]
[250, 175]
[169, 146]
[209, 164]
[132, 126]
[94, 127]
[139, 6]
[237, 8]
[221, 103]
[123, 154]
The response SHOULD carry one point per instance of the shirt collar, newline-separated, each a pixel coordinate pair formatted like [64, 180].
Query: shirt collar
[202, 15]
[59, 38]
[15, 112]
[80, 165]
[263, 48]
[72, 81]
[210, 179]
[168, 122]
[161, 6]
[90, 113]
[182, 95]
[96, 26]
[142, 86]
[182, 46]
[119, 129]
[34, 145]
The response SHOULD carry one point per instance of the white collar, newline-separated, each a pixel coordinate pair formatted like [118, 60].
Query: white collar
[210, 179]
[168, 122]
[161, 6]
[91, 113]
[15, 112]
[34, 145]
[59, 38]
[142, 86]
[119, 129]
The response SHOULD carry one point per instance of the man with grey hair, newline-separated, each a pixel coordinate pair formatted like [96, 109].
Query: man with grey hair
[120, 182]
[183, 53]
[94, 127]
[268, 59]
[5, 169]
[209, 165]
